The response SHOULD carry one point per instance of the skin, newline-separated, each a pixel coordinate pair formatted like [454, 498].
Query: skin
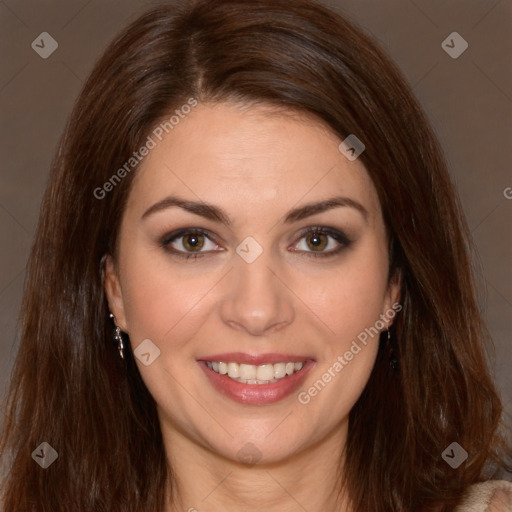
[256, 164]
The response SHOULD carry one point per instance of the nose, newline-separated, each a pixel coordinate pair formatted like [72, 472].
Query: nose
[256, 299]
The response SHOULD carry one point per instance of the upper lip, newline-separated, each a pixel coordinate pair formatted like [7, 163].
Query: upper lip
[255, 359]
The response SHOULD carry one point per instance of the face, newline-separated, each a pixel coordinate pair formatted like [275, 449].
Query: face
[231, 259]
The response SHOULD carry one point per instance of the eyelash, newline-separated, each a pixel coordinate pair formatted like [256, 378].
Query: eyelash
[339, 236]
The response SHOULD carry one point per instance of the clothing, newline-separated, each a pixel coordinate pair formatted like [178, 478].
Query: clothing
[490, 496]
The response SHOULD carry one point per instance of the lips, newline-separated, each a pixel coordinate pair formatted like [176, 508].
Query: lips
[254, 392]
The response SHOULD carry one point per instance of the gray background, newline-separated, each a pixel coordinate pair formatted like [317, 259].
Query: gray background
[468, 99]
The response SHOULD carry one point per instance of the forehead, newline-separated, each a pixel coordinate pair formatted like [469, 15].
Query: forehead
[255, 159]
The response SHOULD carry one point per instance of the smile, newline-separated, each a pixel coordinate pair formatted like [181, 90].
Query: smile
[251, 374]
[256, 380]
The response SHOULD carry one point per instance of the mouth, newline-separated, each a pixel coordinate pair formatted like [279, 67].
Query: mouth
[256, 380]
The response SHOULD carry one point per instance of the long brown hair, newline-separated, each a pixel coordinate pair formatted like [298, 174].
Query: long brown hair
[69, 387]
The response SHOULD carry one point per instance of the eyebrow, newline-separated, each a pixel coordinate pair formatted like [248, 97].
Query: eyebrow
[214, 213]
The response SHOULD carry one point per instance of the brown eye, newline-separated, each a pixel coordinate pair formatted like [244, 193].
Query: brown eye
[189, 243]
[317, 241]
[193, 241]
[322, 242]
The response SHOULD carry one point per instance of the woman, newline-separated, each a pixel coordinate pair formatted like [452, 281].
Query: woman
[250, 285]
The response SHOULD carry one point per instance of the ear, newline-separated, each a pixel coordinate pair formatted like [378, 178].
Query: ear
[113, 292]
[392, 299]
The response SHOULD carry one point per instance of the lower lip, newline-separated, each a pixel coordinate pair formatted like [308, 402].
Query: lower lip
[257, 394]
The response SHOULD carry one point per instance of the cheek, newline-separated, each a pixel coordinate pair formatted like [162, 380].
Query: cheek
[351, 296]
[351, 301]
[161, 302]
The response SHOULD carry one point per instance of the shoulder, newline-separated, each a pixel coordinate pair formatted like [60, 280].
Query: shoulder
[490, 496]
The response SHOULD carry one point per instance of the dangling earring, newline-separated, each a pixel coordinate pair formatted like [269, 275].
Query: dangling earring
[393, 361]
[117, 337]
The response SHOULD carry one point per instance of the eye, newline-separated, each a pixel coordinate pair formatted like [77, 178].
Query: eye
[188, 243]
[322, 242]
[196, 242]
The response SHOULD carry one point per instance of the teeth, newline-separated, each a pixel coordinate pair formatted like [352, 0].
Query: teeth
[252, 374]
[247, 372]
[233, 370]
[279, 370]
[265, 372]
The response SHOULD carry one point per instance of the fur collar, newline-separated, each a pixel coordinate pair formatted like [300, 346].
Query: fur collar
[490, 496]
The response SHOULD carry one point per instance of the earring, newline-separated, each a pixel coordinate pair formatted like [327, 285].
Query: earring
[117, 337]
[393, 361]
